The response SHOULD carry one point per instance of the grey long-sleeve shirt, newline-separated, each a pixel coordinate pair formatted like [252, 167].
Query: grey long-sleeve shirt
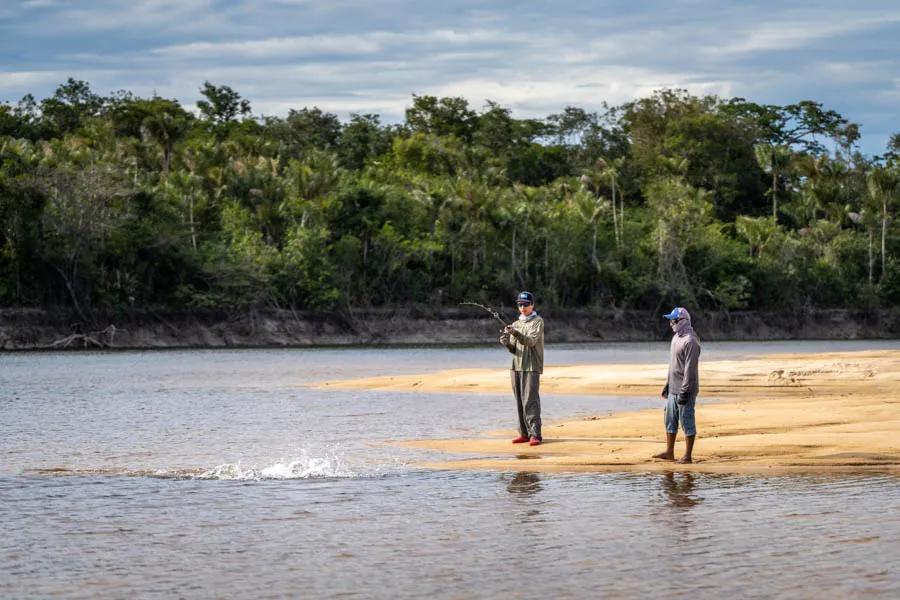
[684, 358]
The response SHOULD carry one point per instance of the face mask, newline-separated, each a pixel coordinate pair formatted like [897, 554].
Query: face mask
[681, 326]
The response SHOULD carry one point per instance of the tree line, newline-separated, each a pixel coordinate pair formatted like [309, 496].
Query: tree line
[118, 202]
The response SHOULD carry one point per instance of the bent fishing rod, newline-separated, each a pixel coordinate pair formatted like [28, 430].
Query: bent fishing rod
[490, 310]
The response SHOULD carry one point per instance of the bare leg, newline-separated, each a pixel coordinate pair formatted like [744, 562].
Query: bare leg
[688, 448]
[669, 454]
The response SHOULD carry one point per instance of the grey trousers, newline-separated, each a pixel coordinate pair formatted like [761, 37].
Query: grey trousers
[526, 386]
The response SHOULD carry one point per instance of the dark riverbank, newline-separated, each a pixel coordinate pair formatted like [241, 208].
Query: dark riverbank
[35, 329]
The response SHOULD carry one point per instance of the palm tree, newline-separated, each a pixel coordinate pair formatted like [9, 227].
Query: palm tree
[680, 210]
[611, 171]
[593, 180]
[883, 184]
[758, 231]
[185, 191]
[164, 129]
[776, 161]
[589, 209]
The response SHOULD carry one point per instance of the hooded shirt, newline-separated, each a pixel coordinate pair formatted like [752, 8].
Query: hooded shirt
[684, 358]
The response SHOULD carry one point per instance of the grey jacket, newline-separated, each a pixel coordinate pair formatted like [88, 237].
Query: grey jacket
[526, 344]
[684, 358]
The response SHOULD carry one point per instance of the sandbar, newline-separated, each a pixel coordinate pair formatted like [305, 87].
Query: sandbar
[830, 411]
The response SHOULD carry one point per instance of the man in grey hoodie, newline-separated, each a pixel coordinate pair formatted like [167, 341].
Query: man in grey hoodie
[682, 385]
[525, 341]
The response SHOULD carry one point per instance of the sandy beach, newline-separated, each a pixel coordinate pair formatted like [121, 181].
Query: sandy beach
[786, 412]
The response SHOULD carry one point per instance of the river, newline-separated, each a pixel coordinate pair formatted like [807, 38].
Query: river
[203, 474]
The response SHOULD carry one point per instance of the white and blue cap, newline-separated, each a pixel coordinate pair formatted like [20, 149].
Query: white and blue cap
[525, 298]
[678, 313]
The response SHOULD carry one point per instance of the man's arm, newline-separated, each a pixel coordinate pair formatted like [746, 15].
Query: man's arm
[530, 338]
[691, 381]
[507, 343]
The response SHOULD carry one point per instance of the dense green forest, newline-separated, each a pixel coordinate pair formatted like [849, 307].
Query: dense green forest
[120, 202]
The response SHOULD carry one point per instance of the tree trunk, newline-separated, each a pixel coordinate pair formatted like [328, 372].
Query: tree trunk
[546, 259]
[617, 223]
[774, 190]
[871, 255]
[884, 217]
[512, 253]
[615, 216]
[660, 269]
[593, 281]
[193, 230]
[72, 295]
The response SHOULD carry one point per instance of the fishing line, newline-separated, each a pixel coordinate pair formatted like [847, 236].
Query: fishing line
[490, 310]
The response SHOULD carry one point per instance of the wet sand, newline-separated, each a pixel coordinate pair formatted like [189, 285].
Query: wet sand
[778, 413]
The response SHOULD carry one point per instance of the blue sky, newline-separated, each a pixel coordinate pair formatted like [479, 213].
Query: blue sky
[359, 56]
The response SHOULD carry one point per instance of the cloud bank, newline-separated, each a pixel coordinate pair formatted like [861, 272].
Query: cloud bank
[350, 56]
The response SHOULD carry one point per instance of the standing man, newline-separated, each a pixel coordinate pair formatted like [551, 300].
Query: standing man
[525, 341]
[682, 386]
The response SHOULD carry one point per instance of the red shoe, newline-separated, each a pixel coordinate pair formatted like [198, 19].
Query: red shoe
[534, 442]
[520, 440]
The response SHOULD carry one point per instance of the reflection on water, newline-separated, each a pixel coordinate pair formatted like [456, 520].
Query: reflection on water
[524, 484]
[679, 488]
[457, 535]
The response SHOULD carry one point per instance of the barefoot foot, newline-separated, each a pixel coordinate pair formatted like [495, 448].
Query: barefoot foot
[664, 456]
[684, 460]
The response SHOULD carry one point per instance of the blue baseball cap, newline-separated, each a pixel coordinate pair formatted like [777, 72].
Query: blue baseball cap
[678, 313]
[525, 298]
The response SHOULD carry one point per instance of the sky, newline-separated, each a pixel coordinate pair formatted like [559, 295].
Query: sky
[535, 57]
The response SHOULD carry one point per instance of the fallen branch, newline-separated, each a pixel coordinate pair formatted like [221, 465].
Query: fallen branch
[109, 333]
[83, 340]
[86, 341]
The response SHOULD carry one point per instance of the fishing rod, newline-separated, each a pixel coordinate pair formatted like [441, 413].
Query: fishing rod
[490, 310]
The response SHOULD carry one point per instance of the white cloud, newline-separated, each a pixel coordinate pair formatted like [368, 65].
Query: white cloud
[893, 94]
[786, 35]
[19, 83]
[363, 43]
[360, 56]
[390, 108]
[857, 72]
[163, 17]
[538, 95]
[273, 47]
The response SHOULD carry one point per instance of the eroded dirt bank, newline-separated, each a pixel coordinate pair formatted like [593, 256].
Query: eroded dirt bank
[32, 329]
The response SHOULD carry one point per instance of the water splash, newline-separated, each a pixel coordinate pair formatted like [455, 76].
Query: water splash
[304, 467]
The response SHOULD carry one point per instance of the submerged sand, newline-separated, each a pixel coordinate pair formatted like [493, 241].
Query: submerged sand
[837, 411]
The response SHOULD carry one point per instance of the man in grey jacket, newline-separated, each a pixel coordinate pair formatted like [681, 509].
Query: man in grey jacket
[682, 385]
[525, 341]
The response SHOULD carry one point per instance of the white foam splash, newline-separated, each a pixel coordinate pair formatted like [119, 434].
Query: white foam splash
[304, 467]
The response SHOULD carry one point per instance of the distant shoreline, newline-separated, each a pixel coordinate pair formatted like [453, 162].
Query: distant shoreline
[43, 329]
